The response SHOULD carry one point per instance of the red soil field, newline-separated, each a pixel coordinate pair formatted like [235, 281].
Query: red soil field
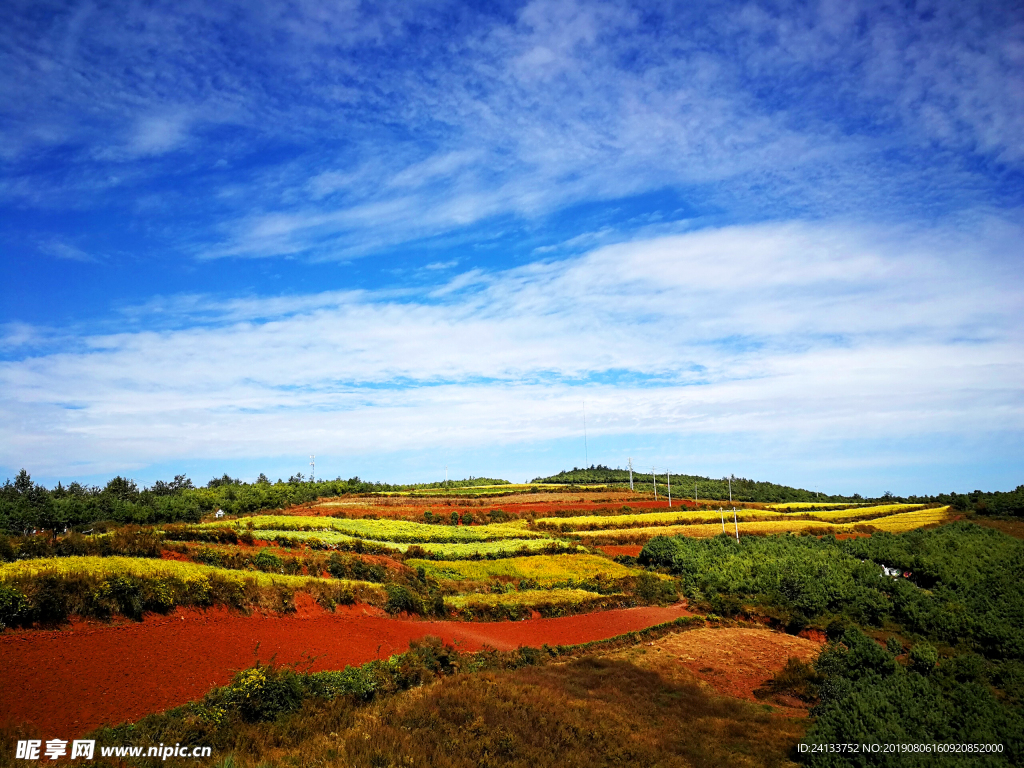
[63, 683]
[736, 661]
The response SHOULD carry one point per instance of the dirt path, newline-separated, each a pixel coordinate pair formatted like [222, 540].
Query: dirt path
[67, 682]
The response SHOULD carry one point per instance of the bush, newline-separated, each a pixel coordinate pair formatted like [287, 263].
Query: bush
[267, 562]
[14, 607]
[797, 679]
[262, 693]
[402, 600]
[924, 657]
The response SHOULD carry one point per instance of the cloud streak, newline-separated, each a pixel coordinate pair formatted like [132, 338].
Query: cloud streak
[817, 332]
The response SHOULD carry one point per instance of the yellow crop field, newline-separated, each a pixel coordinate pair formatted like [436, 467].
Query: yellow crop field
[901, 521]
[544, 569]
[806, 505]
[380, 530]
[530, 597]
[502, 547]
[145, 567]
[683, 516]
[907, 521]
[862, 513]
[707, 530]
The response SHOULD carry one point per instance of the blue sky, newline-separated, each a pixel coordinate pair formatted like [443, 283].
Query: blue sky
[776, 240]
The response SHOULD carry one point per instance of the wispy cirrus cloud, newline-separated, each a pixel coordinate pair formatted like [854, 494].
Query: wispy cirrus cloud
[413, 121]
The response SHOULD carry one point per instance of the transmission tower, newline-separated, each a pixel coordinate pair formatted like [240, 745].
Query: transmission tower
[312, 467]
[630, 463]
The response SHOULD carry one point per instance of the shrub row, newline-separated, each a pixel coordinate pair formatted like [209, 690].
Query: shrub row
[51, 598]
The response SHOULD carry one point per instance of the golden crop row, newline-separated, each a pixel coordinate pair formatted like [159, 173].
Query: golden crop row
[805, 505]
[544, 569]
[528, 597]
[381, 530]
[904, 521]
[656, 518]
[908, 521]
[710, 516]
[143, 567]
[863, 513]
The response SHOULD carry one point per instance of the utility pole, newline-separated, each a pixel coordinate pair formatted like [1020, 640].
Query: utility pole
[630, 463]
[312, 467]
[654, 481]
[723, 518]
[734, 519]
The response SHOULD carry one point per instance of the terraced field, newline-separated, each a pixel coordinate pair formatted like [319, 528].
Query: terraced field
[105, 567]
[399, 531]
[683, 516]
[807, 505]
[545, 570]
[901, 521]
[436, 566]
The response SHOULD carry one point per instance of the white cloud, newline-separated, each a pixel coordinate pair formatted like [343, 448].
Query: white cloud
[818, 331]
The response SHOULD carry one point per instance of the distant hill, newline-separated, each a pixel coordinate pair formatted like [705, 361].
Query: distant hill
[743, 489]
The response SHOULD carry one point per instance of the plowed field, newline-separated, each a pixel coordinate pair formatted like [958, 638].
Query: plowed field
[67, 682]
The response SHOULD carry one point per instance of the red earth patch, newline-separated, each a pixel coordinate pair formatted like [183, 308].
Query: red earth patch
[70, 681]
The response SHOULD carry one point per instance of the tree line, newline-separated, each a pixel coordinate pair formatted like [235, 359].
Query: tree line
[26, 506]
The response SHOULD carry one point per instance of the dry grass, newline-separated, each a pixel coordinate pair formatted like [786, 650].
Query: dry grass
[1013, 528]
[591, 712]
